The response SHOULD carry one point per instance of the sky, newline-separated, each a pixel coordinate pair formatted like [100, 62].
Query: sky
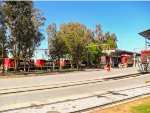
[125, 19]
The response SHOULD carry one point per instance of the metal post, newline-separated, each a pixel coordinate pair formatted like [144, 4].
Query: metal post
[87, 59]
[145, 43]
[134, 58]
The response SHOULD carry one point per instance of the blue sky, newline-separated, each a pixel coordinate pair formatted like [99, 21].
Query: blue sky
[125, 19]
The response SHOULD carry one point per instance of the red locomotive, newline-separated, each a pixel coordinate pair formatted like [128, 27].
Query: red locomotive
[40, 63]
[144, 61]
[125, 61]
[46, 64]
[9, 63]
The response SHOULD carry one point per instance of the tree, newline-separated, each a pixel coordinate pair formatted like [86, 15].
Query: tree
[55, 43]
[58, 48]
[99, 39]
[111, 40]
[34, 35]
[24, 24]
[89, 37]
[73, 35]
[94, 53]
[51, 32]
[3, 38]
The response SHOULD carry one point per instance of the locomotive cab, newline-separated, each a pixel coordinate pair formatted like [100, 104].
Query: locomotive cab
[144, 61]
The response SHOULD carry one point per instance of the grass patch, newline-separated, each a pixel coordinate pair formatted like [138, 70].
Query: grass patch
[142, 108]
[141, 105]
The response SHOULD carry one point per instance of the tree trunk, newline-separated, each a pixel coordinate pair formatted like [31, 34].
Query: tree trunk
[77, 65]
[71, 64]
[18, 56]
[3, 58]
[58, 63]
[18, 64]
[15, 60]
[87, 59]
[24, 64]
[53, 66]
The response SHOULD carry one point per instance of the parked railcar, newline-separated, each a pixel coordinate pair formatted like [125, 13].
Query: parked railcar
[144, 61]
[65, 63]
[125, 61]
[40, 64]
[9, 64]
[46, 64]
[104, 61]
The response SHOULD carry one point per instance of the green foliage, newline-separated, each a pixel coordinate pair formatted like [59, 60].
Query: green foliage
[24, 27]
[110, 40]
[56, 45]
[24, 24]
[142, 109]
[73, 35]
[3, 38]
[78, 43]
[112, 44]
[51, 32]
[99, 39]
[94, 52]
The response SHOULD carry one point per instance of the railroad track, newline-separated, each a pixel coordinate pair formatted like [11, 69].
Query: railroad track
[101, 100]
[63, 85]
[41, 87]
[111, 104]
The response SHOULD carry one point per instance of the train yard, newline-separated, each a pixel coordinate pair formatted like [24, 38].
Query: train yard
[126, 78]
[67, 66]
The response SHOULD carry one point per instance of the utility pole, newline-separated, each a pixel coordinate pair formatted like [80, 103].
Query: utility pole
[134, 57]
[145, 43]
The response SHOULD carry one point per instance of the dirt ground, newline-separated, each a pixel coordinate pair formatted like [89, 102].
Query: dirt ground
[12, 74]
[124, 108]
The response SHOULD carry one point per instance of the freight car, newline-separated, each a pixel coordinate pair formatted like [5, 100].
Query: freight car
[9, 64]
[41, 64]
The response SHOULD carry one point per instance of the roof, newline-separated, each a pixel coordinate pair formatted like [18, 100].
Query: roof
[145, 51]
[120, 52]
[145, 34]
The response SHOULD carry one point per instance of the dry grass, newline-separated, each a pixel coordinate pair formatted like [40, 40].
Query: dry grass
[126, 107]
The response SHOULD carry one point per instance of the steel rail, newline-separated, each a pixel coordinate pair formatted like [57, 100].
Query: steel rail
[63, 85]
[87, 109]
